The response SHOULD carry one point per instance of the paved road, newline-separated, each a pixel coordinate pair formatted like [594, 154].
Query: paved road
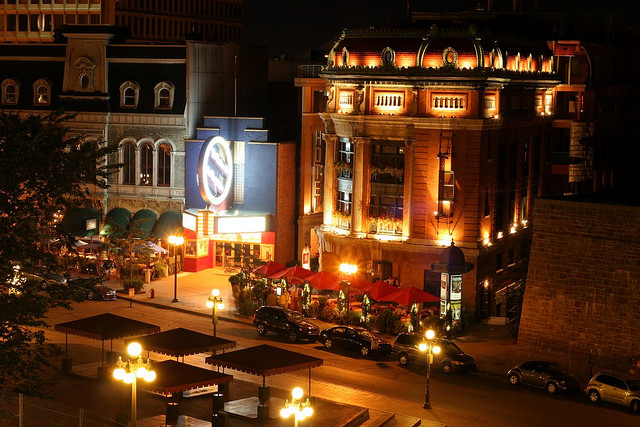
[460, 400]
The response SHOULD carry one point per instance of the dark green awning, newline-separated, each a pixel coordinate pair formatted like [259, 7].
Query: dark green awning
[145, 220]
[81, 222]
[116, 222]
[170, 222]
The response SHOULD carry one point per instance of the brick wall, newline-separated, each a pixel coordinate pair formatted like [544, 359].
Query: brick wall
[583, 285]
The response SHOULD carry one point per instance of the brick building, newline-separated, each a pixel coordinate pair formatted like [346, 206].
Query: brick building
[583, 285]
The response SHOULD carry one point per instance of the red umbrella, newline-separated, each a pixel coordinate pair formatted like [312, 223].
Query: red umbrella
[324, 280]
[269, 268]
[378, 290]
[293, 274]
[410, 295]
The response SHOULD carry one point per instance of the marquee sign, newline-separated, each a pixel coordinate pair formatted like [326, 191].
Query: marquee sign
[215, 168]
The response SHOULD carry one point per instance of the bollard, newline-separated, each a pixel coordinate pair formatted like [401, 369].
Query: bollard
[152, 293]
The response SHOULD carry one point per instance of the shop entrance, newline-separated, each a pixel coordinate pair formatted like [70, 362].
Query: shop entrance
[235, 255]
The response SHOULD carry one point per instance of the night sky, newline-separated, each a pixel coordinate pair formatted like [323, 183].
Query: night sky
[292, 27]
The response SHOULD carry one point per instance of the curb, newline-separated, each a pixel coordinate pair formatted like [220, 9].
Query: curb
[183, 310]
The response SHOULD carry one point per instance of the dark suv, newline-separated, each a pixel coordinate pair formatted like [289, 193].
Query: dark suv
[285, 322]
[451, 358]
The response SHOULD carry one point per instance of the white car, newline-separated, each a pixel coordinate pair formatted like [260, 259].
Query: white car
[614, 388]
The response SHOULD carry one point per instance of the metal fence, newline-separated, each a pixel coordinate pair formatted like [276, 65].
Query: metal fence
[19, 410]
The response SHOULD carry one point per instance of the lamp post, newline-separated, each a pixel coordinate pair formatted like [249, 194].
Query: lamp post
[175, 241]
[431, 349]
[130, 371]
[214, 302]
[296, 407]
[348, 270]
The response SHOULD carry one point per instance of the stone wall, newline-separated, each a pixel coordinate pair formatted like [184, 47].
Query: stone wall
[583, 286]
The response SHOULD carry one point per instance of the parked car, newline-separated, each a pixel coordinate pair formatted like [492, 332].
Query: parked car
[355, 338]
[51, 277]
[451, 358]
[615, 388]
[101, 293]
[542, 374]
[284, 322]
[91, 288]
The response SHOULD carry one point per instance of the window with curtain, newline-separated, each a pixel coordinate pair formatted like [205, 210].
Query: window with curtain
[146, 164]
[164, 165]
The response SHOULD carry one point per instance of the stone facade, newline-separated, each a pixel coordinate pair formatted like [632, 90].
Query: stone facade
[583, 286]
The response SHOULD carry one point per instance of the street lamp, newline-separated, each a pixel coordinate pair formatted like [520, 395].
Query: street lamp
[431, 349]
[214, 302]
[130, 371]
[348, 270]
[175, 241]
[296, 407]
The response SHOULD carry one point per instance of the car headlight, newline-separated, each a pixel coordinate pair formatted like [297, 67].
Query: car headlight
[456, 362]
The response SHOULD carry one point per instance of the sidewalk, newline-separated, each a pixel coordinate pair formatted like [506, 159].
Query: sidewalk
[489, 343]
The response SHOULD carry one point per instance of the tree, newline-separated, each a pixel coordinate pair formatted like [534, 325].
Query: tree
[45, 171]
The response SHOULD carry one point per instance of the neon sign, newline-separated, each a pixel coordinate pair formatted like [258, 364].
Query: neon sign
[215, 169]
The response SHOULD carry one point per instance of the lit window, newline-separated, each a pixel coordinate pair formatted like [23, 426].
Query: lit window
[10, 91]
[42, 92]
[146, 164]
[129, 94]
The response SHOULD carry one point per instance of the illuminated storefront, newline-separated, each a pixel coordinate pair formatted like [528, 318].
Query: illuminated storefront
[232, 209]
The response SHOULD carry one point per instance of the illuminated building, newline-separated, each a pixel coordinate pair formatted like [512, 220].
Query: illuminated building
[164, 21]
[430, 136]
[239, 188]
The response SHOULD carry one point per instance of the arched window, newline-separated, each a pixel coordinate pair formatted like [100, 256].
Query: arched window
[164, 165]
[164, 95]
[129, 94]
[146, 164]
[42, 92]
[10, 91]
[129, 163]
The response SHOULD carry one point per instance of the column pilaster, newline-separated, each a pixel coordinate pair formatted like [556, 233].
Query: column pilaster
[329, 181]
[408, 188]
[361, 184]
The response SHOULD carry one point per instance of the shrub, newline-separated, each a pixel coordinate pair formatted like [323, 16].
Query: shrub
[328, 314]
[386, 322]
[161, 269]
[313, 310]
[136, 284]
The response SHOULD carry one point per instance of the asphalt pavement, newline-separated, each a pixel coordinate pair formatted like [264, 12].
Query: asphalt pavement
[489, 342]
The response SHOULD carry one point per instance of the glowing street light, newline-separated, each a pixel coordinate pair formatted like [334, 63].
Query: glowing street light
[175, 241]
[431, 349]
[348, 270]
[296, 407]
[129, 372]
[214, 302]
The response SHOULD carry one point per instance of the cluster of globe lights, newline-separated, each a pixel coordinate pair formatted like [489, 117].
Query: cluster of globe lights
[300, 410]
[129, 371]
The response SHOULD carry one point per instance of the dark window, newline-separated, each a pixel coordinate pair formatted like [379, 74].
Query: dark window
[164, 165]
[387, 163]
[487, 208]
[129, 164]
[164, 98]
[129, 95]
[146, 165]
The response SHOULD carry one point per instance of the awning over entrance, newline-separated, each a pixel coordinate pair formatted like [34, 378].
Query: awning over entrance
[81, 222]
[116, 222]
[145, 220]
[170, 222]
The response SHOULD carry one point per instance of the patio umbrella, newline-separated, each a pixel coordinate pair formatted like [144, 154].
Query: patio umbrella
[324, 280]
[269, 268]
[380, 289]
[293, 274]
[410, 295]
